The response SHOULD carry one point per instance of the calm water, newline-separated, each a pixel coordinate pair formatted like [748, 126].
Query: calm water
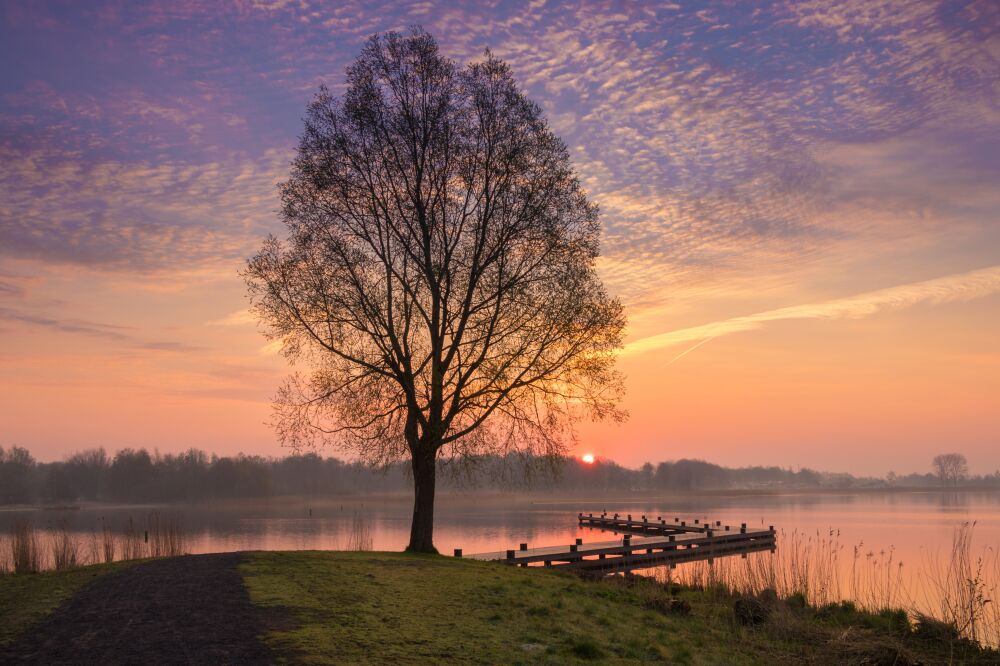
[916, 528]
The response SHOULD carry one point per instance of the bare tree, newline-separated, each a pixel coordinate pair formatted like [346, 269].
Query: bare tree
[951, 468]
[439, 273]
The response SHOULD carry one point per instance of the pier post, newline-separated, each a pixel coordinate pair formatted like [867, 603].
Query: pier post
[579, 541]
[510, 554]
[524, 546]
[458, 552]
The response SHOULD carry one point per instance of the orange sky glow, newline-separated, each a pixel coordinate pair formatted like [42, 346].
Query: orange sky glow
[801, 221]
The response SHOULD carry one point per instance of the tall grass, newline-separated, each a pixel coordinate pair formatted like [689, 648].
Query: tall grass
[5, 549]
[130, 541]
[65, 549]
[26, 556]
[108, 544]
[965, 592]
[23, 552]
[960, 589]
[360, 538]
[165, 536]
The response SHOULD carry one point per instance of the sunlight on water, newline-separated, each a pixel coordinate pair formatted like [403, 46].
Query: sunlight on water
[876, 548]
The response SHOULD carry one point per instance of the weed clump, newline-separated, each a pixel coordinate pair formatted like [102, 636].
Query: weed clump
[751, 611]
[586, 648]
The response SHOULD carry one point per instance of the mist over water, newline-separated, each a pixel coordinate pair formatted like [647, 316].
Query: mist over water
[915, 529]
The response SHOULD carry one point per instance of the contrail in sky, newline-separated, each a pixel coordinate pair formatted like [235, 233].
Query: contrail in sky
[951, 288]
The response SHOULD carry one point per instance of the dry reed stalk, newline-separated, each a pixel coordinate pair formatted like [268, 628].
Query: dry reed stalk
[360, 538]
[107, 543]
[93, 549]
[5, 548]
[967, 588]
[25, 554]
[130, 544]
[65, 549]
[165, 536]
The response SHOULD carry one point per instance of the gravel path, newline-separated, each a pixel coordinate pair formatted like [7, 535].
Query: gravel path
[182, 610]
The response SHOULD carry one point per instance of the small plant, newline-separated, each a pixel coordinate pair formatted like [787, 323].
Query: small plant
[131, 543]
[107, 543]
[361, 534]
[750, 611]
[25, 553]
[5, 567]
[65, 549]
[586, 648]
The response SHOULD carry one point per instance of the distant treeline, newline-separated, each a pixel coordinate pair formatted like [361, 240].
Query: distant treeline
[136, 475]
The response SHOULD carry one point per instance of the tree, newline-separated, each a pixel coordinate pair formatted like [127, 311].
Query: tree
[439, 273]
[951, 468]
[646, 473]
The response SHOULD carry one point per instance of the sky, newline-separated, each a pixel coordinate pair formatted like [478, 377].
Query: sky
[800, 204]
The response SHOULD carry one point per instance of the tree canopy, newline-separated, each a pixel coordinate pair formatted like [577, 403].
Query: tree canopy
[439, 275]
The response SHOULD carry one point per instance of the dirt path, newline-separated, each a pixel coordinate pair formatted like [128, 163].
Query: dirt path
[182, 610]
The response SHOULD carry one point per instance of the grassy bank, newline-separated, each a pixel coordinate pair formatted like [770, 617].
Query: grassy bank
[388, 607]
[25, 599]
[354, 607]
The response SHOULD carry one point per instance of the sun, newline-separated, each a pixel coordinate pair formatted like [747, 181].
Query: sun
[588, 458]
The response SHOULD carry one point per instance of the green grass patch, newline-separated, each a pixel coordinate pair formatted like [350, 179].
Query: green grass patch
[403, 608]
[326, 607]
[27, 598]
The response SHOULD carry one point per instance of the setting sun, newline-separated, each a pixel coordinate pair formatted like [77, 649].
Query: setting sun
[588, 458]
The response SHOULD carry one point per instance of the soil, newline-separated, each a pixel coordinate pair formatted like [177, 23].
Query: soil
[182, 610]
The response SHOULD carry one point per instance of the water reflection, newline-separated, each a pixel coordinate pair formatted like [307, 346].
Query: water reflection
[917, 527]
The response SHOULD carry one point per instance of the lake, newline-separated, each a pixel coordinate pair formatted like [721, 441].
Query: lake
[868, 534]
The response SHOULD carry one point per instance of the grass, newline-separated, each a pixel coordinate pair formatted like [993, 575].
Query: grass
[390, 607]
[27, 598]
[374, 607]
[393, 607]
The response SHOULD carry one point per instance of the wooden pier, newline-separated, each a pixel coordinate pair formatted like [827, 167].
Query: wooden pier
[658, 543]
[659, 527]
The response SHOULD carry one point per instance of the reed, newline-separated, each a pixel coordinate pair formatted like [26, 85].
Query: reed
[360, 538]
[108, 545]
[26, 556]
[165, 535]
[130, 542]
[961, 590]
[93, 552]
[65, 548]
[5, 548]
[965, 590]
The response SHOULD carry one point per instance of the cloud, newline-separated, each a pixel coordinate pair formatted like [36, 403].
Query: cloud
[952, 288]
[141, 217]
[107, 332]
[238, 318]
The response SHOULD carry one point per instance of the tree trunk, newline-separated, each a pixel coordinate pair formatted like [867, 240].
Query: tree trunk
[422, 527]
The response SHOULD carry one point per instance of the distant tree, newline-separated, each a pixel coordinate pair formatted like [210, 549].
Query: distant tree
[439, 273]
[131, 476]
[646, 473]
[17, 475]
[890, 478]
[951, 468]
